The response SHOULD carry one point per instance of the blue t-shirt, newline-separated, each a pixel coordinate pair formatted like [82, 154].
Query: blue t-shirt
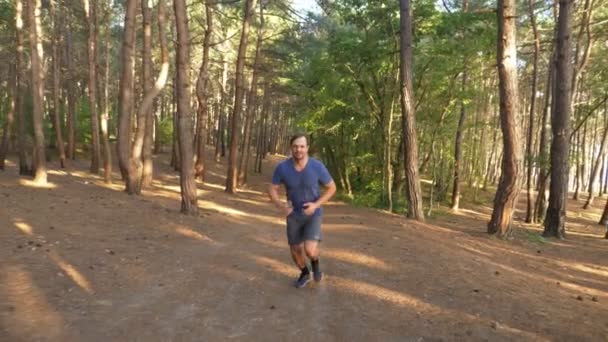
[302, 186]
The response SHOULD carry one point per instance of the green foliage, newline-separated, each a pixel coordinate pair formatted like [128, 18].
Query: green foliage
[165, 131]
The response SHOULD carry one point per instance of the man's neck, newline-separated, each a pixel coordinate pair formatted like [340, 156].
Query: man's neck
[300, 162]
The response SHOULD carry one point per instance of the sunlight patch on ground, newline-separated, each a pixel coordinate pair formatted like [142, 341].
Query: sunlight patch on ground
[472, 213]
[356, 258]
[73, 273]
[32, 184]
[585, 215]
[475, 250]
[396, 298]
[58, 172]
[187, 232]
[222, 209]
[238, 213]
[534, 276]
[596, 270]
[33, 311]
[24, 227]
[338, 254]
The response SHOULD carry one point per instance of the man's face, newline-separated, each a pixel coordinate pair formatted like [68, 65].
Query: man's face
[299, 148]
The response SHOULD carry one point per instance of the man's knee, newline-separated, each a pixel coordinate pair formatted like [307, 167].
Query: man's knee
[297, 249]
[311, 250]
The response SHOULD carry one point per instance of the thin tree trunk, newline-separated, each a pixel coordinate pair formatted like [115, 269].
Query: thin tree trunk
[263, 131]
[71, 89]
[251, 103]
[540, 207]
[529, 153]
[510, 179]
[414, 192]
[10, 117]
[125, 99]
[24, 168]
[185, 115]
[595, 169]
[232, 175]
[56, 85]
[145, 160]
[90, 9]
[105, 117]
[37, 74]
[555, 223]
[202, 86]
[459, 134]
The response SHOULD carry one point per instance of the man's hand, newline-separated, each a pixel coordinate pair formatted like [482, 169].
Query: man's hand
[287, 211]
[310, 207]
[273, 193]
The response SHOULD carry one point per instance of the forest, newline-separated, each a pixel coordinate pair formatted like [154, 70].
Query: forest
[476, 130]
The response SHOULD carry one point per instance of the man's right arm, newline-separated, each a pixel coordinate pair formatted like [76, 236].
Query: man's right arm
[273, 193]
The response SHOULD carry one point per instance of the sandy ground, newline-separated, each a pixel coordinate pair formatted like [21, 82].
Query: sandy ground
[83, 261]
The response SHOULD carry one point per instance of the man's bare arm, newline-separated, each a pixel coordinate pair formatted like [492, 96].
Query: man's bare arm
[273, 193]
[330, 190]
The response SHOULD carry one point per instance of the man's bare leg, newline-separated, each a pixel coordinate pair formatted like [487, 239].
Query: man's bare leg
[311, 248]
[297, 254]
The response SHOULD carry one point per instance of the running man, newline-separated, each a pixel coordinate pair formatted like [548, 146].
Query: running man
[301, 176]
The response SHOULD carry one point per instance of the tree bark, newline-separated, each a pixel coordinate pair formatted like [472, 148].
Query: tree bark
[37, 77]
[146, 154]
[529, 153]
[510, 179]
[251, 103]
[414, 192]
[185, 117]
[24, 168]
[90, 10]
[10, 118]
[104, 118]
[555, 223]
[125, 99]
[595, 169]
[232, 175]
[202, 86]
[71, 89]
[56, 84]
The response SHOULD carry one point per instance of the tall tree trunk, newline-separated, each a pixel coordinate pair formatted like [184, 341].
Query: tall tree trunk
[125, 99]
[414, 192]
[185, 115]
[147, 103]
[263, 129]
[24, 168]
[510, 178]
[232, 175]
[37, 75]
[555, 223]
[595, 169]
[540, 207]
[529, 153]
[10, 118]
[105, 117]
[202, 86]
[71, 89]
[459, 133]
[56, 84]
[90, 10]
[251, 103]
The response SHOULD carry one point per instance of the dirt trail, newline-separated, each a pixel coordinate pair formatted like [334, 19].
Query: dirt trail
[82, 261]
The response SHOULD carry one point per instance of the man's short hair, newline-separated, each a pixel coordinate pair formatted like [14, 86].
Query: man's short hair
[298, 136]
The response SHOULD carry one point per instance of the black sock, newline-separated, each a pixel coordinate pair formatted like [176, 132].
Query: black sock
[315, 265]
[304, 270]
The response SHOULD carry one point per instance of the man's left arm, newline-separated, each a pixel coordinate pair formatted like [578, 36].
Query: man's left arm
[330, 190]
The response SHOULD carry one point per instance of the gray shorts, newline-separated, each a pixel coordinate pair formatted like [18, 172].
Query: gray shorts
[302, 228]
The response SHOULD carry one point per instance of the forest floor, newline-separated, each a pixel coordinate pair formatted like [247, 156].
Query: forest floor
[83, 261]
